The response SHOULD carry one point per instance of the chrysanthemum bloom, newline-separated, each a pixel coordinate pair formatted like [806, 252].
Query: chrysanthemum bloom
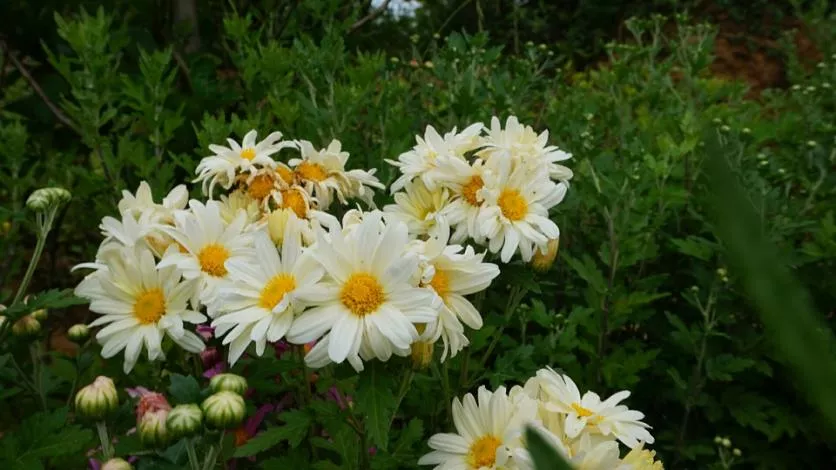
[259, 300]
[140, 304]
[466, 183]
[589, 414]
[369, 308]
[487, 432]
[516, 214]
[222, 167]
[323, 175]
[430, 151]
[640, 458]
[143, 201]
[417, 207]
[236, 201]
[207, 245]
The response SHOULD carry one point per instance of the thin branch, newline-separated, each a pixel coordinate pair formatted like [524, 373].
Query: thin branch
[287, 17]
[34, 84]
[374, 14]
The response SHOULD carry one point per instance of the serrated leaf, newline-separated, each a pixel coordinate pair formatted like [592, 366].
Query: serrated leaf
[376, 402]
[294, 430]
[53, 298]
[184, 389]
[588, 271]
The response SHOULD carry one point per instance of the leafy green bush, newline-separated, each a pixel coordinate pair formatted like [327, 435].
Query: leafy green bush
[643, 295]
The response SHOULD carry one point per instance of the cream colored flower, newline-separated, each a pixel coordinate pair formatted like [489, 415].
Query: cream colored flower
[417, 207]
[522, 146]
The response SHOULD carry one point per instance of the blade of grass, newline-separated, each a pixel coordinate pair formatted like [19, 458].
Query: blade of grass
[802, 338]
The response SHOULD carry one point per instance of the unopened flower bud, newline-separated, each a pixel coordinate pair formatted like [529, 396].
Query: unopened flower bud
[726, 442]
[117, 464]
[718, 440]
[223, 410]
[422, 354]
[428, 64]
[78, 333]
[152, 428]
[2, 321]
[725, 128]
[44, 198]
[228, 383]
[737, 452]
[40, 314]
[26, 326]
[812, 143]
[98, 399]
[544, 259]
[184, 420]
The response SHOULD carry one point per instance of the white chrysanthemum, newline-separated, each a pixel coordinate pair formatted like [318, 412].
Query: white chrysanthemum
[431, 150]
[589, 414]
[417, 207]
[239, 201]
[465, 182]
[322, 173]
[140, 304]
[143, 201]
[523, 146]
[452, 272]
[264, 185]
[369, 308]
[516, 212]
[257, 302]
[205, 244]
[127, 231]
[487, 433]
[222, 167]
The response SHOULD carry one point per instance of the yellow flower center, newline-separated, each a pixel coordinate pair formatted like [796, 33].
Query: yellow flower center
[470, 189]
[261, 186]
[149, 306]
[311, 171]
[275, 290]
[482, 452]
[441, 283]
[212, 258]
[581, 411]
[513, 205]
[285, 174]
[293, 199]
[362, 294]
[248, 153]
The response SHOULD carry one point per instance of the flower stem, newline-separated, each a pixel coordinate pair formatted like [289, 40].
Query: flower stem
[107, 450]
[194, 463]
[37, 373]
[44, 226]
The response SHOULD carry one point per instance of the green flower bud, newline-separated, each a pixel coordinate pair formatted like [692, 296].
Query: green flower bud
[40, 314]
[2, 321]
[117, 464]
[737, 452]
[223, 410]
[152, 428]
[726, 442]
[184, 420]
[26, 326]
[229, 383]
[98, 399]
[42, 199]
[78, 333]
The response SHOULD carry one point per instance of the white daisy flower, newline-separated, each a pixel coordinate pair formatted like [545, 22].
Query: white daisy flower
[140, 304]
[523, 146]
[431, 150]
[222, 167]
[369, 308]
[257, 302]
[236, 201]
[466, 183]
[205, 244]
[417, 207]
[487, 433]
[143, 201]
[516, 213]
[322, 173]
[453, 272]
[589, 414]
[263, 185]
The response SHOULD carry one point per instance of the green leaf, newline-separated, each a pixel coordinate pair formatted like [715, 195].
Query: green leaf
[293, 431]
[184, 389]
[587, 270]
[544, 456]
[376, 402]
[54, 298]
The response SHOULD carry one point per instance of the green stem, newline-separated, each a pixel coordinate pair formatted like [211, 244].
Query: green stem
[107, 450]
[194, 463]
[37, 373]
[404, 388]
[214, 452]
[43, 231]
[514, 299]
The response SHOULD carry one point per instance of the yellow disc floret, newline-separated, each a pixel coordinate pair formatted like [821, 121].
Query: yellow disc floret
[149, 306]
[212, 258]
[275, 290]
[362, 294]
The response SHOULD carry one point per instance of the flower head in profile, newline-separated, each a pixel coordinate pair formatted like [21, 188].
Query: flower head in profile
[368, 308]
[522, 146]
[417, 207]
[143, 201]
[204, 245]
[140, 305]
[258, 301]
[489, 428]
[588, 413]
[222, 167]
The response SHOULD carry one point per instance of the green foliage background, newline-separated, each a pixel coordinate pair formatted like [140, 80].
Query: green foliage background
[644, 296]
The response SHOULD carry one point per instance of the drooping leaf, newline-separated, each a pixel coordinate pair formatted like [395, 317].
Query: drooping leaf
[376, 402]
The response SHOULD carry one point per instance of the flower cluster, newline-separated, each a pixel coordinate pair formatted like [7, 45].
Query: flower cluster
[493, 185]
[266, 262]
[584, 429]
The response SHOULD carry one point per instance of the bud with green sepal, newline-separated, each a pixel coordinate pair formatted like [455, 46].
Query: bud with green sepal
[229, 383]
[26, 326]
[152, 428]
[98, 399]
[117, 464]
[78, 333]
[40, 314]
[223, 410]
[184, 421]
[45, 198]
